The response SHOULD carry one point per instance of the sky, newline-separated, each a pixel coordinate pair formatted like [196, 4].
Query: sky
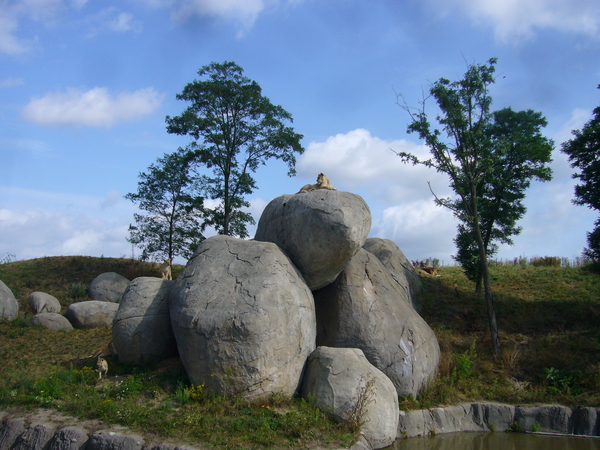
[85, 87]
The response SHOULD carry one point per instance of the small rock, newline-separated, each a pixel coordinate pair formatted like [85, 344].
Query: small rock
[108, 287]
[40, 302]
[91, 314]
[52, 321]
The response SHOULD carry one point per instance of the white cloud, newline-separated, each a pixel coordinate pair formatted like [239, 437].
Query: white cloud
[515, 20]
[94, 108]
[421, 229]
[11, 82]
[245, 12]
[35, 224]
[112, 19]
[9, 24]
[359, 160]
[398, 195]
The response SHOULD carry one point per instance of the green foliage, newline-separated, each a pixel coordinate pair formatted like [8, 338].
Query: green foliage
[584, 156]
[234, 129]
[463, 364]
[77, 291]
[169, 193]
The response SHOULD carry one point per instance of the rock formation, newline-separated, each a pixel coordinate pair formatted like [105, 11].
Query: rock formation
[142, 327]
[344, 384]
[243, 318]
[366, 309]
[401, 269]
[320, 231]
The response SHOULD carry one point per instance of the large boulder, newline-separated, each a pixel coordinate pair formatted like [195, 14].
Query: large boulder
[347, 387]
[52, 321]
[243, 318]
[364, 309]
[401, 269]
[141, 330]
[108, 287]
[91, 314]
[9, 308]
[320, 231]
[40, 302]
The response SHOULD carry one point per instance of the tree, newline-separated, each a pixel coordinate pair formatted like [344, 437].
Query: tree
[168, 192]
[520, 153]
[234, 129]
[489, 158]
[584, 156]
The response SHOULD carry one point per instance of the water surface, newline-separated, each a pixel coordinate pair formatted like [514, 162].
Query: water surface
[496, 441]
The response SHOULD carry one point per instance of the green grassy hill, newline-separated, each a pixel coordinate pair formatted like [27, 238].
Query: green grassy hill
[549, 320]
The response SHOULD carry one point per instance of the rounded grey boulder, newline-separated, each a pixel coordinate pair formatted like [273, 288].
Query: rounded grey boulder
[401, 269]
[243, 318]
[52, 321]
[363, 309]
[347, 387]
[40, 302]
[108, 287]
[91, 314]
[141, 330]
[319, 230]
[9, 308]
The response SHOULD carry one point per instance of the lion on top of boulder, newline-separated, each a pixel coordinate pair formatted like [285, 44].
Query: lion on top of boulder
[322, 183]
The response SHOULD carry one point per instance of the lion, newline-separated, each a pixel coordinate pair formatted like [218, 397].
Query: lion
[322, 183]
[165, 270]
[102, 368]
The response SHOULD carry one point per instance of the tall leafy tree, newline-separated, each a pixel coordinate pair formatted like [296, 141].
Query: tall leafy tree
[584, 157]
[520, 154]
[484, 156]
[234, 129]
[169, 193]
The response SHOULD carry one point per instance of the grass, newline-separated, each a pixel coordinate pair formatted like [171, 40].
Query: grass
[42, 368]
[549, 321]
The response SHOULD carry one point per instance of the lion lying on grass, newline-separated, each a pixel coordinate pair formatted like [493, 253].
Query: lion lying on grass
[322, 183]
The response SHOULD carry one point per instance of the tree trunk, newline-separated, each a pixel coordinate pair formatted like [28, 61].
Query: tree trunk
[484, 272]
[489, 298]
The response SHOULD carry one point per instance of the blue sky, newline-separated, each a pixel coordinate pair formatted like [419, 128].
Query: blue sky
[85, 87]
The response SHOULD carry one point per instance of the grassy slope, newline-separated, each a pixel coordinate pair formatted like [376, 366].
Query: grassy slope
[41, 368]
[550, 334]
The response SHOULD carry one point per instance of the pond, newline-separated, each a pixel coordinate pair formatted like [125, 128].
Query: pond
[496, 441]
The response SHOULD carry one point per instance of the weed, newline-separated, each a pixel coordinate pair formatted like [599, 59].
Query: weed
[535, 427]
[367, 393]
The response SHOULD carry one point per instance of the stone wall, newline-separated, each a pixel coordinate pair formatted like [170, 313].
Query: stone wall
[499, 417]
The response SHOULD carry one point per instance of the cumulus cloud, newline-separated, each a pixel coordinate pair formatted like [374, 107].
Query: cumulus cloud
[398, 194]
[515, 20]
[94, 108]
[359, 160]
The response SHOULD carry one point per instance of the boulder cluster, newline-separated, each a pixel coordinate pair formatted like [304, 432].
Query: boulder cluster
[310, 306]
